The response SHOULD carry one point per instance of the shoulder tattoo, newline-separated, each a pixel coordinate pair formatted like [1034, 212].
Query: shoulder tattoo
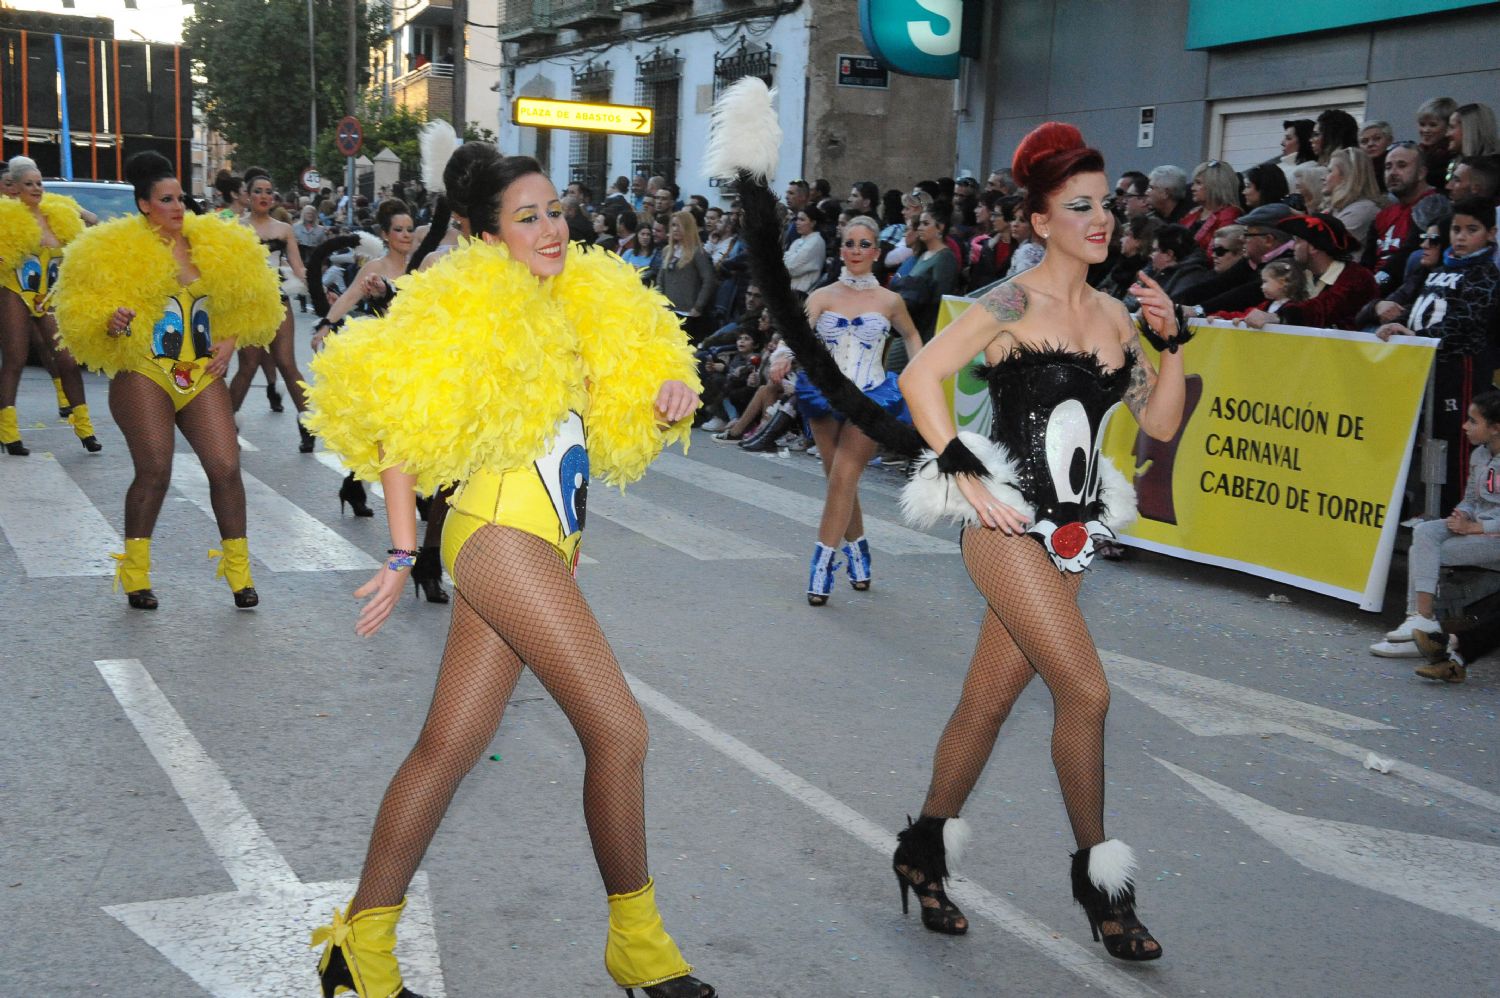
[1007, 303]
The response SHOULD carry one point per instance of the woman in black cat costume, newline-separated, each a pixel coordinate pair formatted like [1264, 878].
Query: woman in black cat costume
[1034, 498]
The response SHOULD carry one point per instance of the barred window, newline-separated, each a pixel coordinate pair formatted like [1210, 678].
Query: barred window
[658, 85]
[588, 162]
[742, 62]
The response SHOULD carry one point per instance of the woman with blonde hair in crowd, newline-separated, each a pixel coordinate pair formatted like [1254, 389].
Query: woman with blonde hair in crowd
[1432, 137]
[1215, 191]
[1351, 192]
[1472, 131]
[1307, 185]
[686, 275]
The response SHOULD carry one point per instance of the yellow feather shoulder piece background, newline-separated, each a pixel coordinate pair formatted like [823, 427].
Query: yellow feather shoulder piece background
[244, 292]
[120, 264]
[62, 214]
[19, 233]
[630, 342]
[473, 367]
[124, 264]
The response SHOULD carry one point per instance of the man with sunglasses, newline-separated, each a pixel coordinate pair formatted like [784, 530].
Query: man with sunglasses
[1393, 237]
[1130, 194]
[1264, 242]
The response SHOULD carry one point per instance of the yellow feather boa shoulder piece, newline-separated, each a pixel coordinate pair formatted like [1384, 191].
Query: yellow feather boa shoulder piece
[19, 233]
[62, 214]
[473, 367]
[124, 264]
[630, 343]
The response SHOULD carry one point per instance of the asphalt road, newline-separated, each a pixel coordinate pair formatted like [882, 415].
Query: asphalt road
[187, 792]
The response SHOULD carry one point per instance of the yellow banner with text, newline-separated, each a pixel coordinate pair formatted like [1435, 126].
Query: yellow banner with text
[1290, 461]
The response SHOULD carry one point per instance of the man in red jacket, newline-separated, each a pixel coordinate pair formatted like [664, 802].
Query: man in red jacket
[1343, 287]
[1393, 237]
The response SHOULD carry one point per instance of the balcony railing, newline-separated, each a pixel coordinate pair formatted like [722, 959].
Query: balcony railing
[436, 70]
[582, 13]
[521, 19]
[650, 6]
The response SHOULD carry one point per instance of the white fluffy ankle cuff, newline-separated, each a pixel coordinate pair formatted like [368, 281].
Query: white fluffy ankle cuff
[1112, 868]
[956, 835]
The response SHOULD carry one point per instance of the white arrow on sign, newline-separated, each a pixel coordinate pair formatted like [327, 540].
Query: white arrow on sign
[251, 941]
[1212, 707]
[1450, 876]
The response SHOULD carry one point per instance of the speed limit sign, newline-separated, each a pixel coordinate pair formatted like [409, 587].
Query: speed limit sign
[312, 180]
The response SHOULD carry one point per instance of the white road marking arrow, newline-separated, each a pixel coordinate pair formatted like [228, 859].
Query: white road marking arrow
[1446, 875]
[1212, 707]
[251, 941]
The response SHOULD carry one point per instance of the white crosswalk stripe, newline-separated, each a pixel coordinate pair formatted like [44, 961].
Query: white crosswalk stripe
[52, 526]
[884, 535]
[302, 543]
[677, 530]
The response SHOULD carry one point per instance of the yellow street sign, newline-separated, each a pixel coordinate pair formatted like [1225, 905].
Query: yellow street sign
[622, 119]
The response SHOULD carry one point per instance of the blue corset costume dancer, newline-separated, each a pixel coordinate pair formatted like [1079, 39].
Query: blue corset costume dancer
[858, 347]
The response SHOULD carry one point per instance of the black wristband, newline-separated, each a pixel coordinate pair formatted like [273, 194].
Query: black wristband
[404, 551]
[1184, 332]
[956, 459]
[332, 327]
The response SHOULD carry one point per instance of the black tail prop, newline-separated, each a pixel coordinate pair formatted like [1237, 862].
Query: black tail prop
[435, 232]
[317, 262]
[762, 233]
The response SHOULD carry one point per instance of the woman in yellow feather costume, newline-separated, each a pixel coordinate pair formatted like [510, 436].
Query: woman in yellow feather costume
[159, 303]
[34, 228]
[488, 369]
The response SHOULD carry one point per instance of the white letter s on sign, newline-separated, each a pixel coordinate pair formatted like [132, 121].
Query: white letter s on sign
[929, 41]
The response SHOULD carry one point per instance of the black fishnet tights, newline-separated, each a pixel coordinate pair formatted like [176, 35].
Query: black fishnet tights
[516, 604]
[18, 330]
[145, 416]
[283, 352]
[1033, 627]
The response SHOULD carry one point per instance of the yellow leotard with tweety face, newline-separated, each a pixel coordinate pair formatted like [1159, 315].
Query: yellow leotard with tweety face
[178, 345]
[33, 277]
[547, 498]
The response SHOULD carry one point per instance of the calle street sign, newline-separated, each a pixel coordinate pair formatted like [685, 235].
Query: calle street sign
[621, 119]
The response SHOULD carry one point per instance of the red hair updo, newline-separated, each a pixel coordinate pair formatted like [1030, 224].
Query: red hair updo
[1046, 158]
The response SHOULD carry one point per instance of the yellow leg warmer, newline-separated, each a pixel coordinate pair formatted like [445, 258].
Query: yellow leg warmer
[367, 944]
[638, 952]
[82, 425]
[133, 573]
[234, 562]
[10, 427]
[62, 396]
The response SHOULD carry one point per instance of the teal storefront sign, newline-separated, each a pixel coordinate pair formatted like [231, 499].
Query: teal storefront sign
[1230, 22]
[916, 37]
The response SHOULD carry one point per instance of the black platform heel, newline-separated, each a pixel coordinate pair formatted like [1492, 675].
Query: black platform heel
[678, 987]
[142, 599]
[427, 575]
[247, 598]
[16, 449]
[273, 396]
[336, 975]
[1103, 883]
[924, 849]
[352, 493]
[91, 444]
[308, 440]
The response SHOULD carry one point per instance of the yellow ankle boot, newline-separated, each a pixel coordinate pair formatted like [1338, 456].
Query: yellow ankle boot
[64, 407]
[83, 428]
[10, 432]
[638, 952]
[133, 573]
[360, 954]
[234, 568]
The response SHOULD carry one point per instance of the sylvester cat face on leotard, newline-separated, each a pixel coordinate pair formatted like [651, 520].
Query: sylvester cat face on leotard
[1067, 496]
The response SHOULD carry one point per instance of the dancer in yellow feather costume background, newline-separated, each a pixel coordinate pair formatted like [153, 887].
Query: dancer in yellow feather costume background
[520, 366]
[34, 228]
[159, 302]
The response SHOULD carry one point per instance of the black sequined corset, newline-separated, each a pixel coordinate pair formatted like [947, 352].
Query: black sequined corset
[1048, 408]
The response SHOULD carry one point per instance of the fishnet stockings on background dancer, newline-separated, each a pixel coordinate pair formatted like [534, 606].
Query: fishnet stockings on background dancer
[19, 329]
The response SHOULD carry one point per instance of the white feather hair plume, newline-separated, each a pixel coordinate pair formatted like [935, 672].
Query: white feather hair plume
[370, 247]
[744, 133]
[438, 141]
